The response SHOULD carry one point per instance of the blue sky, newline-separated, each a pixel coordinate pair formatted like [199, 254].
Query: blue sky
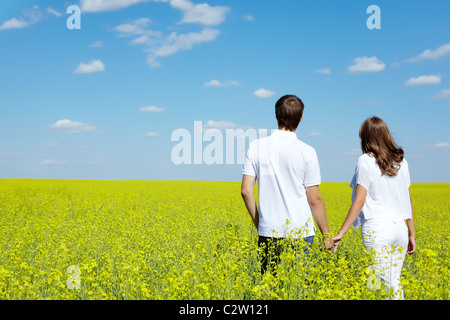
[102, 102]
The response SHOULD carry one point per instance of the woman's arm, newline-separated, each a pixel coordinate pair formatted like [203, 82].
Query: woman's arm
[353, 212]
[411, 231]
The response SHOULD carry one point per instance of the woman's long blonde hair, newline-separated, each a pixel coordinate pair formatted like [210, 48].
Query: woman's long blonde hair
[377, 140]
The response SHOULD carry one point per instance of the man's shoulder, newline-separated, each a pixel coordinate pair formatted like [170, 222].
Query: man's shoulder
[259, 141]
[304, 146]
[255, 146]
[268, 140]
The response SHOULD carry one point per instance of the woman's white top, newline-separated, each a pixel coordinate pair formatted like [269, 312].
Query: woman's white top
[387, 197]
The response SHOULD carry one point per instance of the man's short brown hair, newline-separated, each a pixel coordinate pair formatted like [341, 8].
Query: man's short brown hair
[289, 111]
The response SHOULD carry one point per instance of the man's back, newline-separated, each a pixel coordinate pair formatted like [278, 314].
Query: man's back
[284, 166]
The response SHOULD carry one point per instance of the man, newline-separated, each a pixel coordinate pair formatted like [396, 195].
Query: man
[288, 175]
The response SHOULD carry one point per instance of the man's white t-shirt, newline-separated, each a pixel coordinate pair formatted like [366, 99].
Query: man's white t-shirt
[284, 166]
[387, 197]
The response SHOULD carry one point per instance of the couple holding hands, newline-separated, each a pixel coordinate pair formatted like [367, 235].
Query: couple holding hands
[288, 175]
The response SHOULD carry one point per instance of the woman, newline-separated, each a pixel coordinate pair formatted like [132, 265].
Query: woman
[381, 203]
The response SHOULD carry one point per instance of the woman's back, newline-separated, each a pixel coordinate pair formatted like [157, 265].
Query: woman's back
[387, 196]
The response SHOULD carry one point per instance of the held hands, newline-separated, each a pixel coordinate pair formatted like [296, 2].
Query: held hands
[331, 244]
[328, 243]
[336, 241]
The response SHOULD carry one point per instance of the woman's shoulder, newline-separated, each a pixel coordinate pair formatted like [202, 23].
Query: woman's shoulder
[404, 165]
[366, 158]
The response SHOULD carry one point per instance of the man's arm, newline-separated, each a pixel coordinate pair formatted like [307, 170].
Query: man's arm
[247, 187]
[317, 206]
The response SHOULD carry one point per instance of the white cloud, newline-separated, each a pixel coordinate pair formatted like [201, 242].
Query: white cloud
[144, 22]
[30, 16]
[159, 45]
[213, 83]
[432, 54]
[248, 17]
[353, 152]
[152, 134]
[217, 83]
[395, 65]
[315, 134]
[324, 71]
[96, 44]
[151, 109]
[140, 28]
[34, 15]
[54, 12]
[185, 41]
[151, 61]
[137, 27]
[90, 67]
[201, 13]
[424, 80]
[70, 127]
[366, 64]
[141, 40]
[53, 162]
[335, 151]
[223, 126]
[444, 94]
[108, 5]
[13, 24]
[129, 28]
[438, 145]
[263, 93]
[442, 144]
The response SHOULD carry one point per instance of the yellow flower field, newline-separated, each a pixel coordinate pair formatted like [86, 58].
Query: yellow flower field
[82, 239]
